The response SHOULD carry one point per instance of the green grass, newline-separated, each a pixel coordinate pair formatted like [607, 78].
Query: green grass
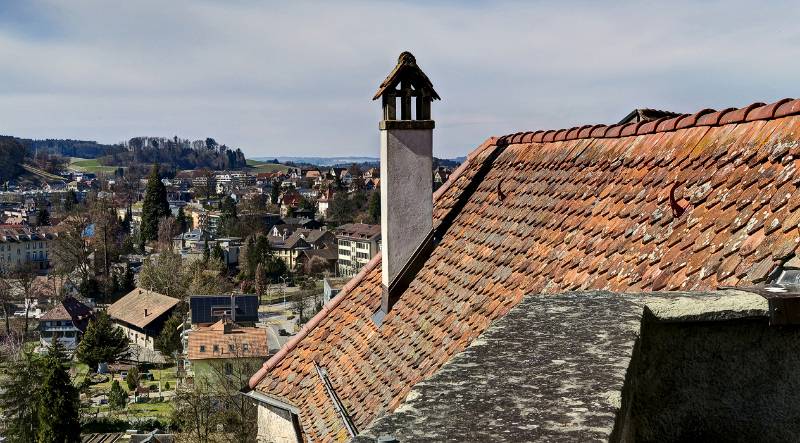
[260, 166]
[89, 165]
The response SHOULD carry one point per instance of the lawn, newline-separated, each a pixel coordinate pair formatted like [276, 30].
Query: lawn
[257, 166]
[89, 165]
[160, 410]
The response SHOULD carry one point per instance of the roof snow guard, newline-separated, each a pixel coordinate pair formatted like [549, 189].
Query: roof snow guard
[546, 212]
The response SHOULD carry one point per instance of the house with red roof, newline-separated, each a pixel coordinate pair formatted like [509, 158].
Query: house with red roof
[633, 281]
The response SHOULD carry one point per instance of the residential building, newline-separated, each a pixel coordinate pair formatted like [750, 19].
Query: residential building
[357, 244]
[141, 315]
[25, 246]
[66, 322]
[587, 262]
[225, 348]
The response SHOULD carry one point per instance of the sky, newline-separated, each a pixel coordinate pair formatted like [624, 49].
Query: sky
[296, 78]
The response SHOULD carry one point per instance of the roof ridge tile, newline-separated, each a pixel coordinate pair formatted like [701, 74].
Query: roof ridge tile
[704, 117]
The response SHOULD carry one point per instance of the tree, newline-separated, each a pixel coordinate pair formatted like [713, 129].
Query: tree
[375, 207]
[70, 200]
[167, 230]
[70, 254]
[58, 408]
[23, 279]
[261, 279]
[127, 283]
[43, 217]
[164, 274]
[117, 397]
[154, 207]
[168, 341]
[19, 397]
[218, 253]
[182, 221]
[6, 301]
[102, 342]
[132, 379]
[215, 400]
[275, 193]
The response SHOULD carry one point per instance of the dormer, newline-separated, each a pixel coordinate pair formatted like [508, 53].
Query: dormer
[407, 83]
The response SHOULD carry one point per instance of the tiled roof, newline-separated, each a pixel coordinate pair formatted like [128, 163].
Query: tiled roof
[131, 308]
[70, 309]
[358, 230]
[202, 342]
[591, 207]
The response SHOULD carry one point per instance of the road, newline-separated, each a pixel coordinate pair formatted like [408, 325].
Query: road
[274, 317]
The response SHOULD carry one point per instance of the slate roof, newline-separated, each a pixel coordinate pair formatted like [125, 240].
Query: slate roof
[131, 308]
[684, 203]
[358, 230]
[553, 369]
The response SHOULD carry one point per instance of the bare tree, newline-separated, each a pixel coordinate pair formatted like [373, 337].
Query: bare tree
[164, 274]
[167, 230]
[70, 253]
[6, 300]
[23, 279]
[213, 410]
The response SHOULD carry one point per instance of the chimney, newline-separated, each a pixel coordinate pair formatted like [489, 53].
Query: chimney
[406, 165]
[145, 312]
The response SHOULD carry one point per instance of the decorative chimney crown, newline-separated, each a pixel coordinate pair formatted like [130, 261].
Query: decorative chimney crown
[404, 82]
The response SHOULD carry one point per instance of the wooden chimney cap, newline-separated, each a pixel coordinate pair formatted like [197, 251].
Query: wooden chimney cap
[407, 71]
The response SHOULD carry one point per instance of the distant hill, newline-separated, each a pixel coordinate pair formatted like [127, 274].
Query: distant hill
[348, 160]
[68, 147]
[321, 161]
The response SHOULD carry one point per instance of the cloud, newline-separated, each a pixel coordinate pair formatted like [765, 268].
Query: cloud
[278, 78]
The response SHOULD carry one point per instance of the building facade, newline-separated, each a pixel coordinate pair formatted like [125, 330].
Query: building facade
[357, 243]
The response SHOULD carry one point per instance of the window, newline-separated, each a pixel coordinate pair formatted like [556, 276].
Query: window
[231, 348]
[202, 348]
[228, 369]
[216, 348]
[245, 347]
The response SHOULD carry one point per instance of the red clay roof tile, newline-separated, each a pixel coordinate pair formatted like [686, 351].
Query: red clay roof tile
[579, 213]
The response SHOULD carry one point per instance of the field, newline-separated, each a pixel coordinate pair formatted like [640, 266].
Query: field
[89, 165]
[257, 166]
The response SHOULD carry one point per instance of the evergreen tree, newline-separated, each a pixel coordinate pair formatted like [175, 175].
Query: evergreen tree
[132, 379]
[70, 200]
[183, 222]
[43, 217]
[19, 398]
[217, 253]
[275, 193]
[206, 251]
[59, 407]
[261, 280]
[127, 284]
[155, 206]
[102, 342]
[117, 397]
[375, 207]
[169, 341]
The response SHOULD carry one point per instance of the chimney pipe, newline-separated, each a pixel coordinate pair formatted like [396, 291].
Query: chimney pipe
[406, 170]
[145, 312]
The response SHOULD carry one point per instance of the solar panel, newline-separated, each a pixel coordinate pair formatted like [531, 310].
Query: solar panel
[212, 308]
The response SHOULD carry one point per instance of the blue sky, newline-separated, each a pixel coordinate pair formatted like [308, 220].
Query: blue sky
[296, 78]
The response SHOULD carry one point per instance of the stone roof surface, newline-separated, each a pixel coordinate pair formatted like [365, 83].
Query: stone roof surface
[683, 203]
[131, 308]
[553, 369]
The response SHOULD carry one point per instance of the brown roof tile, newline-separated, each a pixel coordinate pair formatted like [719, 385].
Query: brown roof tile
[587, 213]
[140, 307]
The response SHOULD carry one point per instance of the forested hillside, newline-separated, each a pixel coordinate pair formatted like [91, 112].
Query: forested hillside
[178, 153]
[69, 148]
[12, 153]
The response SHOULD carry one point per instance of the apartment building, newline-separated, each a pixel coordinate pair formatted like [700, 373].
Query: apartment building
[358, 243]
[24, 246]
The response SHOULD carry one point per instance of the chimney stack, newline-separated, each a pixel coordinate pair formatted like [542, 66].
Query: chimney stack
[406, 165]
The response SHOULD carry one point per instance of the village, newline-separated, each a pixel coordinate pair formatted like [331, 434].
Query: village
[220, 279]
